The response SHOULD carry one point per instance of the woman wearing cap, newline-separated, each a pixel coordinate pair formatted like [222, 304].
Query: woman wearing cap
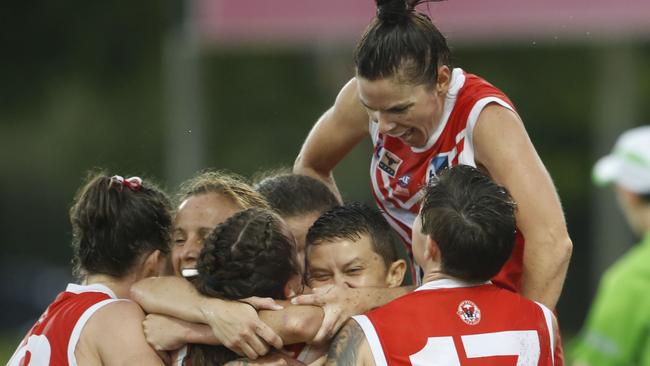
[423, 116]
[617, 328]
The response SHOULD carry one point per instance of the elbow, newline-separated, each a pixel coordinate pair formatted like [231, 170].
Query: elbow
[565, 249]
[298, 164]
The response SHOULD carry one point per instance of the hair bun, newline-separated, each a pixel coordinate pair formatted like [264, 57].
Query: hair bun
[394, 11]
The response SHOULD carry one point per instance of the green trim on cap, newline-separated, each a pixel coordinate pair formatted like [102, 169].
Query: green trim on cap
[631, 157]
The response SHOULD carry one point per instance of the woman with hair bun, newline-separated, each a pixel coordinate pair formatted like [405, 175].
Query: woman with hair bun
[424, 116]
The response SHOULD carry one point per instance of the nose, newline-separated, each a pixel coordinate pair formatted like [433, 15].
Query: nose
[343, 281]
[191, 250]
[385, 125]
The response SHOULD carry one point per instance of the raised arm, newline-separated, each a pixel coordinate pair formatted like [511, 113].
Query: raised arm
[333, 136]
[505, 151]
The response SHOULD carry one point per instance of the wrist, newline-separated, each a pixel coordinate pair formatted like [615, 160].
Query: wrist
[206, 309]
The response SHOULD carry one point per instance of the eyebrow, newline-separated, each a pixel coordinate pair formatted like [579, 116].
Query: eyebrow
[399, 106]
[356, 260]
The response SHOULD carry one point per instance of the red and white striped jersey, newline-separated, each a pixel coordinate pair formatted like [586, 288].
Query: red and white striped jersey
[399, 171]
[53, 339]
[449, 322]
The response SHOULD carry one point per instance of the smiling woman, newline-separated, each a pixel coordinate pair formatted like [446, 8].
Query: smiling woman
[423, 116]
[206, 200]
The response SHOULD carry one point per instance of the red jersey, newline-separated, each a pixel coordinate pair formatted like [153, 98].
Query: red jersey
[53, 339]
[448, 322]
[399, 171]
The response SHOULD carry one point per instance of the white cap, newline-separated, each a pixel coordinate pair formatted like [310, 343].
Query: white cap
[628, 165]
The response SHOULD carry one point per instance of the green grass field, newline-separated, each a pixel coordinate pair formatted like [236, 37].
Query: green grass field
[8, 343]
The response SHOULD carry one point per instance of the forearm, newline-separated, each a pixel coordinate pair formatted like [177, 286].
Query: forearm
[200, 334]
[294, 323]
[546, 261]
[171, 296]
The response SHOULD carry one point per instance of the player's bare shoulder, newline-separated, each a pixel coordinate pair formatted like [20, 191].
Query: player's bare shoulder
[347, 109]
[349, 347]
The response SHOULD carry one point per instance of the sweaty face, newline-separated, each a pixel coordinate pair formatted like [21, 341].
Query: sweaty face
[408, 112]
[345, 262]
[197, 216]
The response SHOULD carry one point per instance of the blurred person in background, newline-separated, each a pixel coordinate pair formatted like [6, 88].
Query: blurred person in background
[423, 116]
[120, 235]
[617, 329]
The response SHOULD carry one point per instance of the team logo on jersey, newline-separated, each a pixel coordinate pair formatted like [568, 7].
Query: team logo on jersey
[404, 181]
[438, 163]
[469, 312]
[389, 162]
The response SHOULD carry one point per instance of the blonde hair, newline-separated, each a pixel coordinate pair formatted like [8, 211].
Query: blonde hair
[228, 184]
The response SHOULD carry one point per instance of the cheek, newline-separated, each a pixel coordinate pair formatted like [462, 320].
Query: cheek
[176, 260]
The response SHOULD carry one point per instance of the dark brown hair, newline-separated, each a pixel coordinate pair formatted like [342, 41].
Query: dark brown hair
[472, 219]
[350, 222]
[402, 43]
[113, 225]
[292, 195]
[247, 255]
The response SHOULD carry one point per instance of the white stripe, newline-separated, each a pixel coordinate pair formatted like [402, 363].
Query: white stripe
[548, 316]
[456, 83]
[449, 283]
[180, 356]
[373, 129]
[76, 332]
[372, 338]
[467, 155]
[95, 287]
[403, 216]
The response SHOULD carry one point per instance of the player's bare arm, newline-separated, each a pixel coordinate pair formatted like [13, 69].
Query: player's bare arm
[349, 347]
[333, 136]
[294, 323]
[113, 336]
[340, 303]
[236, 325]
[166, 333]
[504, 149]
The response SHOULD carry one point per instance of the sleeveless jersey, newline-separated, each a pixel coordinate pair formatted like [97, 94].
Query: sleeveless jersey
[399, 171]
[53, 339]
[448, 322]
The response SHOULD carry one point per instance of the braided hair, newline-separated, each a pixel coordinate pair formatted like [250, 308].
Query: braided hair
[247, 255]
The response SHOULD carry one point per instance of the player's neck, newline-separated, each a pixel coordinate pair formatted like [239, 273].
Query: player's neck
[434, 275]
[120, 286]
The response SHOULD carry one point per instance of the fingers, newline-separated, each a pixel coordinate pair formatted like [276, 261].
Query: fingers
[268, 335]
[247, 350]
[263, 303]
[325, 329]
[311, 299]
